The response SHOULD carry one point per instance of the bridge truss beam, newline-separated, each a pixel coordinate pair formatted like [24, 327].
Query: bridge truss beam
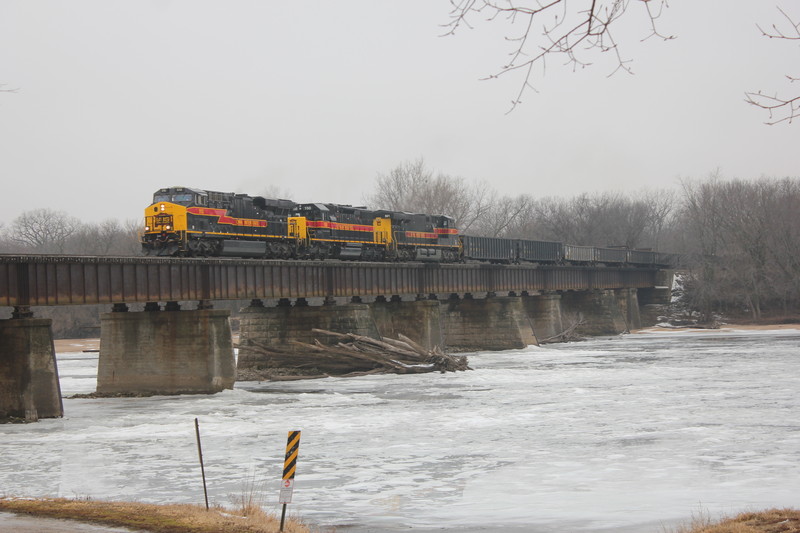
[74, 280]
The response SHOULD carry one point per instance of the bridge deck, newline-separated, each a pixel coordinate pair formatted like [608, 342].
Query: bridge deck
[72, 280]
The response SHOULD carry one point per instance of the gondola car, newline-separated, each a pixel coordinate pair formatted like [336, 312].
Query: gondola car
[539, 251]
[489, 249]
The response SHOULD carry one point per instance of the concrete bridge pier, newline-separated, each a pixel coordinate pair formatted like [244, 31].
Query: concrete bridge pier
[599, 309]
[29, 386]
[628, 301]
[544, 311]
[655, 301]
[492, 323]
[277, 326]
[419, 320]
[165, 352]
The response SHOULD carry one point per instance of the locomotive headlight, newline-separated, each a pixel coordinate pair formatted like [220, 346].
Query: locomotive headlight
[147, 228]
[167, 227]
[163, 207]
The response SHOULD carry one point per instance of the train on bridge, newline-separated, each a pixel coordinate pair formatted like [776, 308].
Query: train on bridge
[187, 222]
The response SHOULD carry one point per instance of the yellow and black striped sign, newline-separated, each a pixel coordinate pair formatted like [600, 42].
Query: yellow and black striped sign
[292, 449]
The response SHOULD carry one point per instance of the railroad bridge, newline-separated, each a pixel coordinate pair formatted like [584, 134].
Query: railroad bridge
[177, 346]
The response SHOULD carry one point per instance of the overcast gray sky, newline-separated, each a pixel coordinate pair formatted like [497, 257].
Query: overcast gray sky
[115, 99]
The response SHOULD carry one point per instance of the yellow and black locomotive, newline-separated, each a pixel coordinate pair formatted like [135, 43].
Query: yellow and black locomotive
[196, 223]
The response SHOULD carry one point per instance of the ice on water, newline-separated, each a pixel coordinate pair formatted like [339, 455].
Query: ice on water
[599, 435]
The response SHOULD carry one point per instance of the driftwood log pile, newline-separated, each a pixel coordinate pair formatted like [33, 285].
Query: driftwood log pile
[352, 355]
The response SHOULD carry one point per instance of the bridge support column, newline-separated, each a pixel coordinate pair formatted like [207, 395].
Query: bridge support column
[654, 301]
[629, 306]
[29, 387]
[166, 352]
[598, 309]
[544, 310]
[278, 326]
[419, 320]
[497, 323]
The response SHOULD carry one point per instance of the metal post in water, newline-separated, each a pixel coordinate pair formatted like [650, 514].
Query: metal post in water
[283, 517]
[200, 454]
[289, 468]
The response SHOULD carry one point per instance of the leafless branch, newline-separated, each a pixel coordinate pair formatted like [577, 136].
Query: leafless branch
[780, 109]
[776, 106]
[779, 33]
[573, 33]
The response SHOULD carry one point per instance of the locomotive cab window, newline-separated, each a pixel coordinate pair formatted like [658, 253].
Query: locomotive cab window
[184, 198]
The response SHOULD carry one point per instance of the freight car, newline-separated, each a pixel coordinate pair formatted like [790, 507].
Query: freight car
[188, 222]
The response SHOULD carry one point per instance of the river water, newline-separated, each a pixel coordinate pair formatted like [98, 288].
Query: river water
[631, 433]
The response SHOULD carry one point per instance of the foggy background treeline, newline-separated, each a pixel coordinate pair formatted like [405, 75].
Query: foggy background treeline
[740, 239]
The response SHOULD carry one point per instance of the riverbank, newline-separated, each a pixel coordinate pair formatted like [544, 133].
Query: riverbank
[722, 327]
[86, 516]
[134, 516]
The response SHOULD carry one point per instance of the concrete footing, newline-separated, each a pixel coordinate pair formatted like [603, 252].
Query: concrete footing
[29, 387]
[494, 323]
[458, 324]
[628, 302]
[277, 326]
[544, 311]
[166, 352]
[598, 309]
[418, 320]
[661, 294]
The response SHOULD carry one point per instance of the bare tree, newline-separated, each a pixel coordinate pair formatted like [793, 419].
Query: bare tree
[745, 239]
[412, 187]
[5, 244]
[109, 237]
[44, 230]
[402, 188]
[274, 190]
[661, 208]
[702, 228]
[503, 216]
[552, 28]
[784, 221]
[780, 108]
[607, 219]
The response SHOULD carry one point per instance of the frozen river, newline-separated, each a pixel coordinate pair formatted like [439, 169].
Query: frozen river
[625, 434]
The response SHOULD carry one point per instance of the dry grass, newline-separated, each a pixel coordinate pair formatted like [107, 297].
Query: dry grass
[156, 518]
[771, 521]
[251, 519]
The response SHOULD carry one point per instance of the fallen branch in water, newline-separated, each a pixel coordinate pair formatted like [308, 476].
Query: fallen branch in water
[352, 355]
[569, 334]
